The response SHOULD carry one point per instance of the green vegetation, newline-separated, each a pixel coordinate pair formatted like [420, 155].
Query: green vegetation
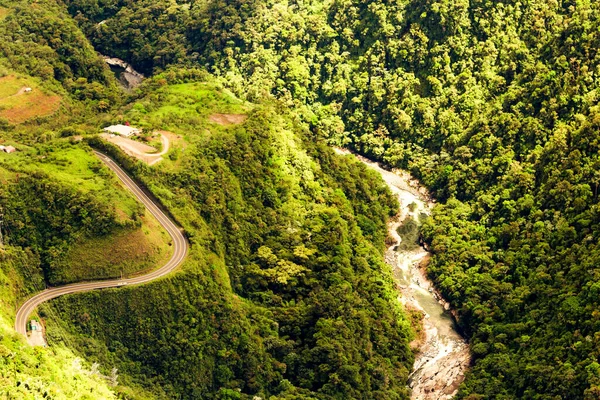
[285, 276]
[18, 105]
[286, 237]
[409, 232]
[492, 104]
[62, 204]
[41, 40]
[125, 251]
[27, 372]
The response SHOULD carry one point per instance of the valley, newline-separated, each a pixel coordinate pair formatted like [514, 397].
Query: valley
[443, 355]
[454, 255]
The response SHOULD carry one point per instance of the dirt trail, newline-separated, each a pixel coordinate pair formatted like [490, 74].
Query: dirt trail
[227, 119]
[443, 354]
[21, 91]
[140, 150]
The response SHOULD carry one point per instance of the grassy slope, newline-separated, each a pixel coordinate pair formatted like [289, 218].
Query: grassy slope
[30, 373]
[35, 373]
[29, 58]
[18, 106]
[130, 250]
[127, 251]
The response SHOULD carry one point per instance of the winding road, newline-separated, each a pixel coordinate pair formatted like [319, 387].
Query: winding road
[180, 249]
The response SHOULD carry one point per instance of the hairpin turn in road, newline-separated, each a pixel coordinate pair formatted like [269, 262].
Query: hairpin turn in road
[180, 249]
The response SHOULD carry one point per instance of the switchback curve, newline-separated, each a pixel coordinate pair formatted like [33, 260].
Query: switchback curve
[180, 249]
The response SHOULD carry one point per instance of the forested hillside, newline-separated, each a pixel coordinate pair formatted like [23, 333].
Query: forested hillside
[285, 294]
[59, 210]
[27, 372]
[492, 104]
[40, 39]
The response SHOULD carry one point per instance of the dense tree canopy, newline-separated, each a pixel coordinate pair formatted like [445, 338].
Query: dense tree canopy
[285, 293]
[494, 106]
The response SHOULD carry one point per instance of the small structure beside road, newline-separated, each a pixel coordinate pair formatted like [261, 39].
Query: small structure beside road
[27, 89]
[8, 149]
[36, 338]
[122, 130]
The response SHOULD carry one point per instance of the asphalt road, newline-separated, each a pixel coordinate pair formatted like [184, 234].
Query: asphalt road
[180, 249]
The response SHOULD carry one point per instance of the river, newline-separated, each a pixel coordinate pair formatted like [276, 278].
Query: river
[443, 355]
[124, 72]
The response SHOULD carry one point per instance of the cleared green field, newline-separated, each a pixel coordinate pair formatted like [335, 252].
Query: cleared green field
[189, 112]
[10, 85]
[17, 105]
[185, 106]
[126, 252]
[72, 165]
[129, 250]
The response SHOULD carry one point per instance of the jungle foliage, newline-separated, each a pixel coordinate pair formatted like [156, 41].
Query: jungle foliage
[55, 198]
[285, 294]
[494, 105]
[40, 41]
[43, 217]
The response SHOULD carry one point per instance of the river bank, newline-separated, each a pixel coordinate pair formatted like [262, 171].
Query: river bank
[443, 354]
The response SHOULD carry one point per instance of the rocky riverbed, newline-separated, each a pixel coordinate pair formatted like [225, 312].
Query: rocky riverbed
[443, 355]
[128, 76]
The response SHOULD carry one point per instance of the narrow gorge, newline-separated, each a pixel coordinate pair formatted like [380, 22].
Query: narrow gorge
[443, 354]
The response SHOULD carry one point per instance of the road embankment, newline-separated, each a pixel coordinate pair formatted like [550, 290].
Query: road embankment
[180, 249]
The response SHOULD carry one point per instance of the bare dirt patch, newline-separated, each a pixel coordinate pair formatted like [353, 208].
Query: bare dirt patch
[129, 145]
[21, 91]
[37, 334]
[3, 12]
[141, 151]
[228, 119]
[19, 108]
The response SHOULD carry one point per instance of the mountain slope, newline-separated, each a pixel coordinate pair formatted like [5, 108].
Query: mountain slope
[492, 104]
[285, 276]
